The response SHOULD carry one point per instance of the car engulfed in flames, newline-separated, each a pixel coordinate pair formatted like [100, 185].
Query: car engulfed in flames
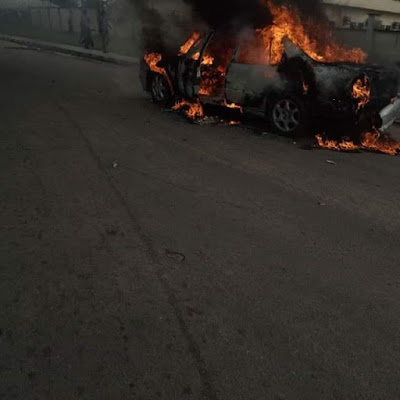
[297, 84]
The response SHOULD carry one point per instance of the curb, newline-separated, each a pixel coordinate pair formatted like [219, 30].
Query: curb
[73, 50]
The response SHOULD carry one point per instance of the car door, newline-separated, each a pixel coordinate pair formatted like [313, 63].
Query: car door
[215, 58]
[250, 75]
[189, 68]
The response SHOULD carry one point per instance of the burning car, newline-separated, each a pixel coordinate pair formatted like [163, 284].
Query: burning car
[280, 74]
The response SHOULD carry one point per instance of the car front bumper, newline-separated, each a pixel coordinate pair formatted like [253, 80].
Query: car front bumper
[390, 114]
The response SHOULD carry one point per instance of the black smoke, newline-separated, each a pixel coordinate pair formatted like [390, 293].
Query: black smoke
[231, 14]
[237, 14]
[312, 9]
[159, 31]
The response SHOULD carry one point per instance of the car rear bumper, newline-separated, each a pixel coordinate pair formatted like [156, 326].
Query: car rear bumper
[390, 114]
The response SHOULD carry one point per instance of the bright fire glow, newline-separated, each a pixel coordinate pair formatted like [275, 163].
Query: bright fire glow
[207, 60]
[362, 91]
[152, 59]
[211, 80]
[189, 43]
[193, 111]
[287, 24]
[232, 105]
[372, 141]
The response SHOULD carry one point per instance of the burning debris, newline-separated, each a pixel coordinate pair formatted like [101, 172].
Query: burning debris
[370, 141]
[192, 110]
[287, 66]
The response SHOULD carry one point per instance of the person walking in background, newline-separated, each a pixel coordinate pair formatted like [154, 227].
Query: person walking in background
[104, 28]
[86, 33]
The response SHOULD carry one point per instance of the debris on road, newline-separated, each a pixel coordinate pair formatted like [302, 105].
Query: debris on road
[330, 162]
[115, 164]
[179, 257]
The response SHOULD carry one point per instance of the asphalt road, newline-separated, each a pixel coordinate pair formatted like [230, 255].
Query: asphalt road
[144, 257]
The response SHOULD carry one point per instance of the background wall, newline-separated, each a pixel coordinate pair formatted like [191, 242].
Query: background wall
[385, 46]
[60, 19]
[125, 33]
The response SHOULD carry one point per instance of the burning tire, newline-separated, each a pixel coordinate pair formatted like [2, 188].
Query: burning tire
[160, 90]
[287, 115]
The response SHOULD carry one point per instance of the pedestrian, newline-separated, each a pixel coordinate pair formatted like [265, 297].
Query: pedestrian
[104, 28]
[86, 32]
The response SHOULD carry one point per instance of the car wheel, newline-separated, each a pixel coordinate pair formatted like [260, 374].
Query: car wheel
[160, 90]
[288, 115]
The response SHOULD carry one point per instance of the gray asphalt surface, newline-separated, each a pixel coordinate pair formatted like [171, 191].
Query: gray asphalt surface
[211, 263]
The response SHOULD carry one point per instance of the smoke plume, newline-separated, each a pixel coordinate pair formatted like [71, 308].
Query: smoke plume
[236, 14]
[159, 29]
[230, 14]
[162, 32]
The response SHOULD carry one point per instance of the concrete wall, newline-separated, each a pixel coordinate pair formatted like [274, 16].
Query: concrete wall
[76, 19]
[65, 15]
[337, 13]
[58, 19]
[16, 4]
[55, 23]
[385, 48]
[385, 6]
[44, 18]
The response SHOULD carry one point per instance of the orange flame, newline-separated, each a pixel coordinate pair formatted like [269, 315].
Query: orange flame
[211, 80]
[152, 59]
[362, 92]
[287, 24]
[207, 60]
[195, 110]
[371, 141]
[344, 145]
[189, 43]
[376, 141]
[232, 105]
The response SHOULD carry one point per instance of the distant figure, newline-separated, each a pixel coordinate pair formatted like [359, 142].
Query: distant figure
[86, 33]
[104, 29]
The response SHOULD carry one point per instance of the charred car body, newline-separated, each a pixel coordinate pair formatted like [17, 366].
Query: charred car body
[293, 94]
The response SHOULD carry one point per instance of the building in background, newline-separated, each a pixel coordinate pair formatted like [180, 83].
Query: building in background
[353, 14]
[18, 4]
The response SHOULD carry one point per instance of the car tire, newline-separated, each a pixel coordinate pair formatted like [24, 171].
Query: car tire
[160, 90]
[287, 115]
